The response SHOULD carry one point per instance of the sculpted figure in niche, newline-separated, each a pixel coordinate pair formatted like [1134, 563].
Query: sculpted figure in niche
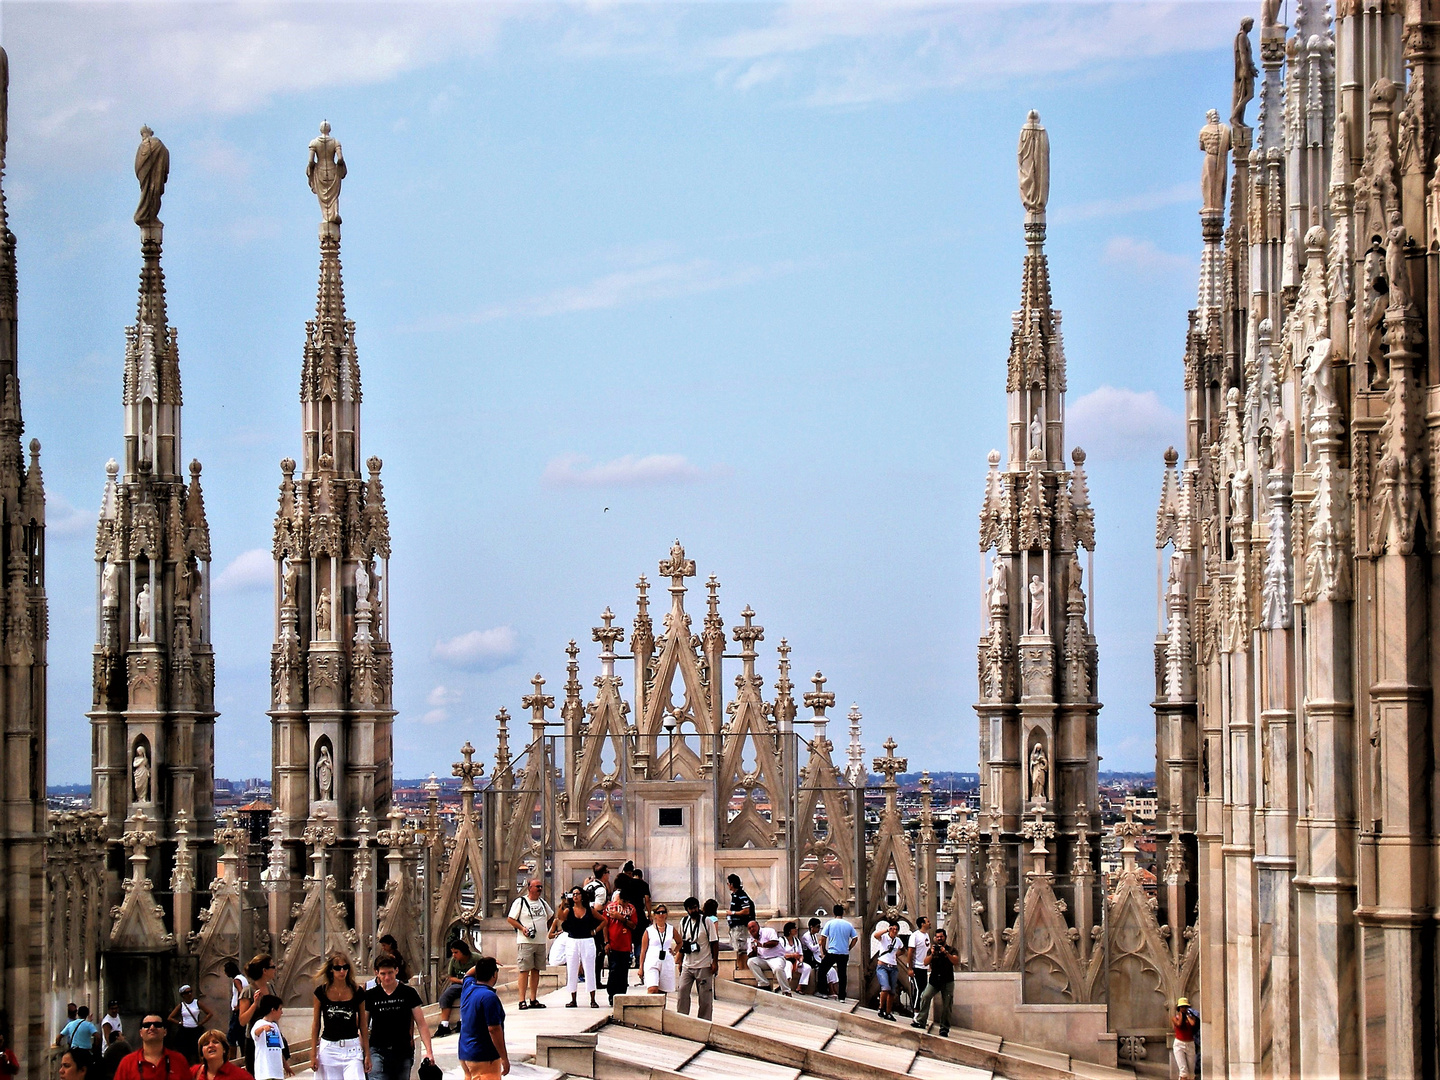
[287, 593]
[325, 171]
[1039, 774]
[1397, 270]
[1077, 591]
[1317, 383]
[999, 585]
[1245, 72]
[110, 585]
[1034, 162]
[325, 774]
[1215, 141]
[322, 615]
[362, 586]
[152, 169]
[140, 773]
[1037, 433]
[145, 610]
[1037, 605]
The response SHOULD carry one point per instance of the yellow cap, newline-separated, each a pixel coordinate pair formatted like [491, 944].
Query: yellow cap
[1182, 1001]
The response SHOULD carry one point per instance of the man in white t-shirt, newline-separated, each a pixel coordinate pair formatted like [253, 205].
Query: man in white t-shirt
[919, 953]
[767, 958]
[110, 1026]
[530, 915]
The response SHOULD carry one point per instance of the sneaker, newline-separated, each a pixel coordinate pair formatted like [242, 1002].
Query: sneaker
[918, 1024]
[944, 1033]
[442, 1031]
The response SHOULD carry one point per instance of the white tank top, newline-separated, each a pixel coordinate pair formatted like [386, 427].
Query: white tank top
[659, 946]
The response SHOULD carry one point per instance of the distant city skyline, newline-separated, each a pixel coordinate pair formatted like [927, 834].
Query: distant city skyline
[740, 274]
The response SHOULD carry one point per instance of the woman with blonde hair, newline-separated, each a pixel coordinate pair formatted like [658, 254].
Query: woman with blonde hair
[339, 1026]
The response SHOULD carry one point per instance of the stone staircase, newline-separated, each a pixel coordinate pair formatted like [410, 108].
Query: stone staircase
[755, 1035]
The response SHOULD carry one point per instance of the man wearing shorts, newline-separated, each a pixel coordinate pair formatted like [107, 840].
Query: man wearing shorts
[530, 915]
[742, 913]
[482, 1024]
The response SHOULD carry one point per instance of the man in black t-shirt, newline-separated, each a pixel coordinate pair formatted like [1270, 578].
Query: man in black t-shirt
[394, 1009]
[942, 985]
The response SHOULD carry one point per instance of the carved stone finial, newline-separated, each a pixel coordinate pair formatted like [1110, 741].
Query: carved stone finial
[890, 766]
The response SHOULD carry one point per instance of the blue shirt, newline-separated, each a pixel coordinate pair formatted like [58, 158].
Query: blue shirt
[480, 1010]
[81, 1034]
[839, 936]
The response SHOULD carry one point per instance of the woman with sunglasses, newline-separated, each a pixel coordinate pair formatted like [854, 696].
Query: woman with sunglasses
[659, 949]
[339, 1026]
[215, 1061]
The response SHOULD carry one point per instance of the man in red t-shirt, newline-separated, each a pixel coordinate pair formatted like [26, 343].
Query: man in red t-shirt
[152, 1061]
[618, 941]
[1186, 1023]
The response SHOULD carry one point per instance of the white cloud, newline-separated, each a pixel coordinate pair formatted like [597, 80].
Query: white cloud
[64, 519]
[479, 650]
[250, 571]
[77, 70]
[1115, 423]
[1143, 255]
[652, 470]
[440, 699]
[660, 281]
[443, 695]
[855, 54]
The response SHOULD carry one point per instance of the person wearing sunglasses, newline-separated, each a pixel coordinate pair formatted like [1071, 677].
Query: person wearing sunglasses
[339, 1025]
[152, 1061]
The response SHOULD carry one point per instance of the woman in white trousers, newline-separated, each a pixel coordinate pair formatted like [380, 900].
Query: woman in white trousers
[580, 927]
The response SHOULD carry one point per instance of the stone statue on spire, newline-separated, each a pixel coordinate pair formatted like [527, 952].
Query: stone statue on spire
[325, 171]
[1245, 72]
[1215, 141]
[152, 169]
[1034, 161]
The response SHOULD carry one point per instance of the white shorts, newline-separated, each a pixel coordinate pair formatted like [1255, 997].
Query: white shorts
[661, 976]
[341, 1060]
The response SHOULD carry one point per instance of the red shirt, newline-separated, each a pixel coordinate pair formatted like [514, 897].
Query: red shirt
[173, 1066]
[228, 1071]
[1185, 1023]
[617, 930]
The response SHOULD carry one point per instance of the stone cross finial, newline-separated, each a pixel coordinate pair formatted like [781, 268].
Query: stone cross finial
[467, 770]
[232, 837]
[1128, 830]
[320, 833]
[539, 701]
[572, 651]
[677, 568]
[713, 601]
[749, 633]
[890, 766]
[819, 699]
[608, 634]
[397, 835]
[274, 872]
[643, 600]
[502, 742]
[182, 876]
[1038, 830]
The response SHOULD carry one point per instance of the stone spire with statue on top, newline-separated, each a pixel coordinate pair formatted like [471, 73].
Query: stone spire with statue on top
[331, 661]
[1037, 707]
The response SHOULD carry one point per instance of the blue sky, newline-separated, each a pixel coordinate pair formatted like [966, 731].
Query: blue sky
[741, 273]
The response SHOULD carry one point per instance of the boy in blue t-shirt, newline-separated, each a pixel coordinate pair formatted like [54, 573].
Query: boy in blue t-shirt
[482, 1023]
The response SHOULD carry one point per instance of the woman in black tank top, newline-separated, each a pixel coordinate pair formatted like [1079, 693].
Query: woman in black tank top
[339, 1026]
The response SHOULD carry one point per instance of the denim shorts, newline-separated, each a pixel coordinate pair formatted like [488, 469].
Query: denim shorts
[886, 974]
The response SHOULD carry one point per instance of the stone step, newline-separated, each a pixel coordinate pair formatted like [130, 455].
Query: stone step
[719, 1065]
[892, 1058]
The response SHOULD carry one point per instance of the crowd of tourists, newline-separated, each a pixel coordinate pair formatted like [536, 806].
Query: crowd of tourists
[598, 932]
